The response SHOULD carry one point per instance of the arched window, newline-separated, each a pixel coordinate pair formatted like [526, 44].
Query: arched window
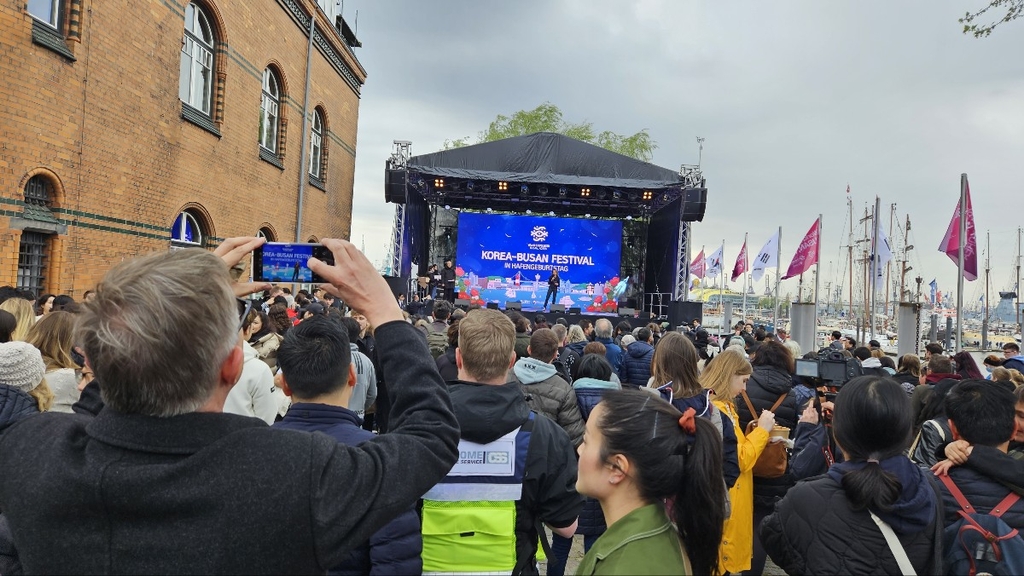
[316, 146]
[34, 247]
[186, 232]
[38, 191]
[266, 233]
[269, 110]
[195, 80]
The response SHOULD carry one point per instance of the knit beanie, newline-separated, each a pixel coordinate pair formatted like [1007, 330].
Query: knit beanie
[21, 366]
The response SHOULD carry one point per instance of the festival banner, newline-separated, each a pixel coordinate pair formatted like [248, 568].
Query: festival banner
[741, 263]
[884, 256]
[951, 241]
[935, 288]
[697, 267]
[806, 253]
[714, 263]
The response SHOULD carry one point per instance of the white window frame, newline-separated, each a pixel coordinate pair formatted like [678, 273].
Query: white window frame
[270, 106]
[197, 61]
[316, 146]
[55, 9]
[178, 238]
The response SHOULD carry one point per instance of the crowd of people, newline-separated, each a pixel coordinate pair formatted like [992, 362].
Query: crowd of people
[177, 419]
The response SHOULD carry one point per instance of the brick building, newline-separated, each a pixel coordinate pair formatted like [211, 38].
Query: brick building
[128, 127]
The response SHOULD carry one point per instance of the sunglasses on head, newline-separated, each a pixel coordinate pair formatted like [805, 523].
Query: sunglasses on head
[244, 307]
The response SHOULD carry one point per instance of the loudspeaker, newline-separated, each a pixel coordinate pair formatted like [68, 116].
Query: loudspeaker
[492, 305]
[516, 305]
[575, 310]
[394, 186]
[462, 303]
[695, 201]
[398, 285]
[627, 312]
[558, 308]
[684, 312]
[428, 308]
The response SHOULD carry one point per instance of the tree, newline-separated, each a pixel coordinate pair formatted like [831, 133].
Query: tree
[548, 118]
[1014, 9]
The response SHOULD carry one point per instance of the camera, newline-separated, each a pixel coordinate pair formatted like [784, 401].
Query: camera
[830, 368]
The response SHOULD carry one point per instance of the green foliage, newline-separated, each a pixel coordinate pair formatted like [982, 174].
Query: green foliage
[1014, 9]
[548, 118]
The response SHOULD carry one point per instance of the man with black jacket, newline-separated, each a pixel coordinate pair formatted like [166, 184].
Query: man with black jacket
[162, 481]
[540, 482]
[448, 281]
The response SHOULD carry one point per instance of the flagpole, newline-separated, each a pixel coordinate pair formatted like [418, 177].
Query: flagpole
[874, 263]
[960, 264]
[721, 287]
[743, 314]
[817, 283]
[778, 277]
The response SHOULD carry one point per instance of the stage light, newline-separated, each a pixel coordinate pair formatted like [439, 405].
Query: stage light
[562, 192]
[528, 211]
[617, 194]
[602, 194]
[648, 195]
[629, 217]
[585, 192]
[587, 215]
[489, 210]
[524, 190]
[502, 186]
[552, 213]
[420, 183]
[543, 190]
[469, 186]
[447, 207]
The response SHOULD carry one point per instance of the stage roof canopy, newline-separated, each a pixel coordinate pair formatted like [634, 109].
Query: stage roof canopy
[542, 172]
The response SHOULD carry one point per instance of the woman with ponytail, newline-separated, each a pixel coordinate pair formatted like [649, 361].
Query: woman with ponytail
[657, 474]
[825, 525]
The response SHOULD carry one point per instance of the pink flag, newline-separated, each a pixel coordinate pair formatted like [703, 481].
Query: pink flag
[697, 267]
[807, 253]
[951, 241]
[741, 263]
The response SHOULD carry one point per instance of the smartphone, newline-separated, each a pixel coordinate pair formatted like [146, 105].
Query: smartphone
[285, 262]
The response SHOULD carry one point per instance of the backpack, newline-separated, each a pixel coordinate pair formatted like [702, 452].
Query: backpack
[774, 460]
[982, 543]
[469, 518]
[438, 343]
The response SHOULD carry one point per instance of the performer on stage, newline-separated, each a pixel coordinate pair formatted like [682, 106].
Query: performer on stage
[448, 281]
[553, 283]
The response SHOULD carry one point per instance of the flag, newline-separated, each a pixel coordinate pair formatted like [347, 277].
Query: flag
[951, 241]
[766, 258]
[883, 254]
[935, 289]
[847, 188]
[806, 253]
[714, 262]
[741, 263]
[697, 267]
[938, 297]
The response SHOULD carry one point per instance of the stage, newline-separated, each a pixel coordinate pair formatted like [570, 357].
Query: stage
[510, 213]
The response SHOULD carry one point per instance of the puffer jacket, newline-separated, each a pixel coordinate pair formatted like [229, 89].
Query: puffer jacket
[814, 531]
[588, 394]
[446, 365]
[15, 405]
[983, 492]
[266, 346]
[636, 364]
[549, 394]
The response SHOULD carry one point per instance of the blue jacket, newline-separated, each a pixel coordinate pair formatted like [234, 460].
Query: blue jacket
[636, 364]
[1015, 363]
[588, 393]
[395, 548]
[702, 405]
[613, 353]
[15, 405]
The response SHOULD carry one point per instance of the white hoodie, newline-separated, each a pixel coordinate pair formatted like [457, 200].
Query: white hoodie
[253, 394]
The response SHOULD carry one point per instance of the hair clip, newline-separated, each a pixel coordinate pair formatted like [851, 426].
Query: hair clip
[687, 423]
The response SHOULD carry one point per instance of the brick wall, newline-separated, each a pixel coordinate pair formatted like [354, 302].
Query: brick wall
[106, 129]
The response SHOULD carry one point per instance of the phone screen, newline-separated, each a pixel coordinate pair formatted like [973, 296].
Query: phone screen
[284, 262]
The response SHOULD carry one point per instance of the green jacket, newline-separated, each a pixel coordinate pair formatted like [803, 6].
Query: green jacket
[642, 542]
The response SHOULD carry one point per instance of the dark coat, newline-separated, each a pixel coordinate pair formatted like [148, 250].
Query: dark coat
[814, 531]
[521, 345]
[983, 492]
[214, 493]
[446, 365]
[15, 405]
[395, 548]
[591, 516]
[636, 364]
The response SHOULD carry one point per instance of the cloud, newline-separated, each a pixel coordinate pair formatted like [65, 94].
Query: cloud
[796, 100]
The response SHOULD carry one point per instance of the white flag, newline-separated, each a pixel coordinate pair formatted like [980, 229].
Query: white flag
[714, 263]
[768, 257]
[884, 255]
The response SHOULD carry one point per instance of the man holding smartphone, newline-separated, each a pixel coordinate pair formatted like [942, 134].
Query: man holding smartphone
[156, 476]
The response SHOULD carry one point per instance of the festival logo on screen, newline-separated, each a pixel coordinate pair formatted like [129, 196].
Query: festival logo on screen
[539, 235]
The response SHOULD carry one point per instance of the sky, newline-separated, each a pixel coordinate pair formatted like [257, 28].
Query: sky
[797, 99]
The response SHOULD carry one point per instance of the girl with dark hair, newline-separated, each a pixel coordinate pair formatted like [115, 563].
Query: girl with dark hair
[8, 323]
[279, 318]
[263, 337]
[966, 367]
[908, 372]
[639, 452]
[43, 305]
[832, 524]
